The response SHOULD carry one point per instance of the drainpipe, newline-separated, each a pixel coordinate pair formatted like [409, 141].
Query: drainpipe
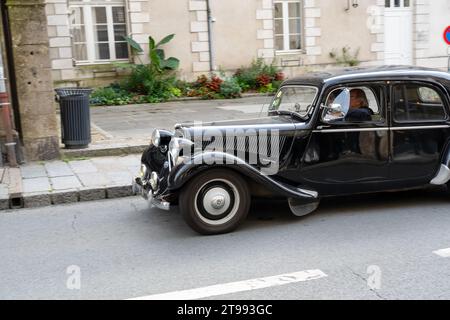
[210, 43]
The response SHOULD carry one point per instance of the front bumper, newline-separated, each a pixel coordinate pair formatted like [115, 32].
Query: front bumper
[138, 189]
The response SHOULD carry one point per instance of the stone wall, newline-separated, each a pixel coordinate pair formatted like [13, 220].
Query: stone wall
[34, 79]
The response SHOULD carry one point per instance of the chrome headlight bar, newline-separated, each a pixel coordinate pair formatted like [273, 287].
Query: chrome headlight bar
[175, 147]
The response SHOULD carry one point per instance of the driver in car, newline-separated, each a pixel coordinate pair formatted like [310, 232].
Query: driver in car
[359, 107]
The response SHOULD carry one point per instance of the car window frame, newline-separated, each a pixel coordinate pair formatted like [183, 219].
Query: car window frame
[382, 103]
[313, 103]
[435, 85]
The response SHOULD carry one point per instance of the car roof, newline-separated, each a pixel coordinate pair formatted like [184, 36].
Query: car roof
[333, 76]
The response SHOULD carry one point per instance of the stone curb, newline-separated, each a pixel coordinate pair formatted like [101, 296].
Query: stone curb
[45, 199]
[103, 152]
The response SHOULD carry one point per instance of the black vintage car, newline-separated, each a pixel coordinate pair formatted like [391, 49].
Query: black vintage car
[326, 134]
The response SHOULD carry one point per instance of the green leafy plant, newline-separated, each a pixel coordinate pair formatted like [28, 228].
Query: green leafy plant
[155, 80]
[268, 88]
[158, 56]
[110, 96]
[230, 89]
[346, 57]
[257, 75]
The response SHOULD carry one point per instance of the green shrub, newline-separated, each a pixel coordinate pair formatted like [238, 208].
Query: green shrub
[230, 89]
[145, 80]
[257, 75]
[110, 96]
[155, 80]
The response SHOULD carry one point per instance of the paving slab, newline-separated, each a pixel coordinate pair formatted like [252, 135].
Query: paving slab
[15, 186]
[4, 190]
[120, 177]
[33, 171]
[36, 185]
[96, 179]
[65, 183]
[58, 169]
[82, 166]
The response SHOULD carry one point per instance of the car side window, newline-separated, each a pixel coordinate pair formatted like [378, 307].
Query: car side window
[417, 102]
[363, 105]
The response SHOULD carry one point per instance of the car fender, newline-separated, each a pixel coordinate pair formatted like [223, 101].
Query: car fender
[184, 172]
[443, 175]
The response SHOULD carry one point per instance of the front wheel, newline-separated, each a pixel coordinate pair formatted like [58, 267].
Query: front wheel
[215, 202]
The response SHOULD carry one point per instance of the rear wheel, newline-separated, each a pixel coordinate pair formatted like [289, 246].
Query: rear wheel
[215, 202]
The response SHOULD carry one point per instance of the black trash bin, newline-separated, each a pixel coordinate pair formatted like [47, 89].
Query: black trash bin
[75, 117]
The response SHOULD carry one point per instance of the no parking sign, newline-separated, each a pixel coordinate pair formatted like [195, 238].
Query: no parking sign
[447, 35]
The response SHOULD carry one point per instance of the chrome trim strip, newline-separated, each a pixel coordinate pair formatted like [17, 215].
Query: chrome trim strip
[420, 128]
[442, 177]
[311, 193]
[382, 129]
[352, 130]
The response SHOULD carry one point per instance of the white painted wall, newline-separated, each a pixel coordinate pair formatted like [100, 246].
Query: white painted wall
[436, 53]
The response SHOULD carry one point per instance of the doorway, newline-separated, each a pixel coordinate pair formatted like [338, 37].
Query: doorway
[398, 31]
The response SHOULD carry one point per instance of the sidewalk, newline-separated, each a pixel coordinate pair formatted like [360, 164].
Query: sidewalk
[59, 182]
[119, 130]
[105, 170]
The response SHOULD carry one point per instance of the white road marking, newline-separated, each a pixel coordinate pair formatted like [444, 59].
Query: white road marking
[444, 253]
[240, 286]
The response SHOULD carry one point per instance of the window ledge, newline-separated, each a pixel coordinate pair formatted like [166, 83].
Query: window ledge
[96, 63]
[289, 52]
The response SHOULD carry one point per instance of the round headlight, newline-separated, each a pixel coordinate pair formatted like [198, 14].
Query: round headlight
[156, 138]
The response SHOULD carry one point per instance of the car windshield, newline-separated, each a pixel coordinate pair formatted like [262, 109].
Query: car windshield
[295, 99]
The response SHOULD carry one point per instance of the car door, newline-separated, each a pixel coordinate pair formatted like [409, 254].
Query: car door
[419, 131]
[349, 155]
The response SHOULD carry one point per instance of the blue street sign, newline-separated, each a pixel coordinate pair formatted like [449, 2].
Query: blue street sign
[447, 35]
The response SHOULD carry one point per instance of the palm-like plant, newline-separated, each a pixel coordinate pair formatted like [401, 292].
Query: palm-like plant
[156, 54]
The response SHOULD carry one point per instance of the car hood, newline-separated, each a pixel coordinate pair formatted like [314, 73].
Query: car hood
[268, 139]
[283, 124]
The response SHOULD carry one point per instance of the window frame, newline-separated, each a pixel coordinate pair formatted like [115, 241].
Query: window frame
[435, 86]
[381, 101]
[286, 33]
[313, 103]
[401, 4]
[89, 29]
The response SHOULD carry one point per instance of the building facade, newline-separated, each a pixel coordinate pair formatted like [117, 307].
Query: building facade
[86, 36]
[51, 43]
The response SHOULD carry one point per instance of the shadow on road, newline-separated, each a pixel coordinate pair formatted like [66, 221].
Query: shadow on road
[277, 211]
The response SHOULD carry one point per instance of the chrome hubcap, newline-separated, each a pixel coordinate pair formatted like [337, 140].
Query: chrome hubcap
[216, 201]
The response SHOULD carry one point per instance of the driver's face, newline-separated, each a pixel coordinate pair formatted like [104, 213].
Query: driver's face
[355, 100]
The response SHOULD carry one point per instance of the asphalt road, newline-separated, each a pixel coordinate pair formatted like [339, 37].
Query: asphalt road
[124, 249]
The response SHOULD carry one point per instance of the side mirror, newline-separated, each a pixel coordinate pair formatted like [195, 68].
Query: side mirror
[339, 107]
[334, 108]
